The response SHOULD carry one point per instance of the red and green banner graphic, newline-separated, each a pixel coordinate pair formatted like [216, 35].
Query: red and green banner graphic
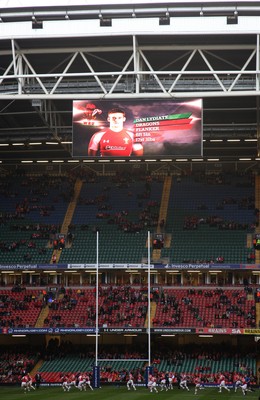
[150, 129]
[170, 117]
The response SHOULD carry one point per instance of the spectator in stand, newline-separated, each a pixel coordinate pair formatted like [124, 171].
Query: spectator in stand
[38, 380]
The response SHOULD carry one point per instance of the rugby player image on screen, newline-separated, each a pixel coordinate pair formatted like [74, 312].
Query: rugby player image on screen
[115, 141]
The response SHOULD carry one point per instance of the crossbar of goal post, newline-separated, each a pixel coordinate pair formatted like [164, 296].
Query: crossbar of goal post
[136, 364]
[135, 361]
[123, 359]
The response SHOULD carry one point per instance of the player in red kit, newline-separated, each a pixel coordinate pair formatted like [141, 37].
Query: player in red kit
[115, 141]
[24, 383]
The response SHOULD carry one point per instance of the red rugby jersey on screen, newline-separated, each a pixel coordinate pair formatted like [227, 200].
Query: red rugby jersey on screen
[116, 144]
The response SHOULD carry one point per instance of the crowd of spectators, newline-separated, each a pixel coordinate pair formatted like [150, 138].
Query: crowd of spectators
[31, 197]
[192, 222]
[14, 309]
[208, 357]
[147, 209]
[16, 361]
[209, 307]
[118, 306]
[146, 214]
[127, 306]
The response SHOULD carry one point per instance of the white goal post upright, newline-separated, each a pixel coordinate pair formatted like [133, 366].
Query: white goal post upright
[96, 369]
[97, 262]
[149, 297]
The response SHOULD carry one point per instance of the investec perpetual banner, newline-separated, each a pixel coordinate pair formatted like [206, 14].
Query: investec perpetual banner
[137, 128]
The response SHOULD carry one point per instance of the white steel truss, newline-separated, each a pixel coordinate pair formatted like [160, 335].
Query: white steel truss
[140, 71]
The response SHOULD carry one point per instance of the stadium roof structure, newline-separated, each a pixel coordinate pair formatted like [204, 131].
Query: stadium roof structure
[62, 51]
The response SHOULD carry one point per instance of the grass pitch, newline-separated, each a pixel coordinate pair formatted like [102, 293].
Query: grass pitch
[121, 393]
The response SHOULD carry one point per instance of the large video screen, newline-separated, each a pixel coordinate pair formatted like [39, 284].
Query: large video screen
[137, 128]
